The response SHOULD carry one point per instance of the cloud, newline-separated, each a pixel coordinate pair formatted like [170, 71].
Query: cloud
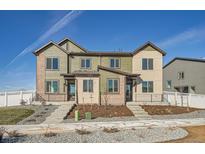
[191, 35]
[68, 18]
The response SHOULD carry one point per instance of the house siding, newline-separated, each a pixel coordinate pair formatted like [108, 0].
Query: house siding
[194, 75]
[154, 75]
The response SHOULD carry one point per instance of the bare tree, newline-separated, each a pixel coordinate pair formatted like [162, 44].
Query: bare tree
[106, 98]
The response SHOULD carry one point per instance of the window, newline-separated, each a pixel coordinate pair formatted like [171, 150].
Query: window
[147, 64]
[180, 75]
[114, 63]
[113, 85]
[52, 86]
[52, 63]
[87, 85]
[147, 86]
[169, 84]
[85, 63]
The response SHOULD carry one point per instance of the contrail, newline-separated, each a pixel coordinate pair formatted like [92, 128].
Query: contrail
[52, 30]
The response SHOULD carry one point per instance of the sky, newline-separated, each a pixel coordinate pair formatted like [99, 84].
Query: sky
[179, 33]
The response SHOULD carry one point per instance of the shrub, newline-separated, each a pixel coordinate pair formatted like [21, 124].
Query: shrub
[82, 132]
[111, 130]
[2, 131]
[49, 134]
[23, 102]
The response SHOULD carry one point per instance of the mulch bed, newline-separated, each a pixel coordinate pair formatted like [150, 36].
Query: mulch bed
[165, 110]
[101, 111]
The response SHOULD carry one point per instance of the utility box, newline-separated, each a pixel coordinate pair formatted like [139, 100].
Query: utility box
[77, 115]
[88, 115]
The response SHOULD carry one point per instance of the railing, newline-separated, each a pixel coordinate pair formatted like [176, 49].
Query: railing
[14, 98]
[148, 98]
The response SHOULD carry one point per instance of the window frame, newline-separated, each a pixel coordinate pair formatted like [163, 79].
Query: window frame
[58, 86]
[148, 87]
[85, 61]
[115, 62]
[52, 69]
[89, 89]
[113, 86]
[148, 66]
[167, 85]
[180, 75]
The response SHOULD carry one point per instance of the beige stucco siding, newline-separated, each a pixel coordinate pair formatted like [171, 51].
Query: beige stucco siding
[113, 98]
[88, 97]
[154, 75]
[71, 47]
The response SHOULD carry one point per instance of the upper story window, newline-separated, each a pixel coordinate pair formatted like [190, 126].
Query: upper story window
[52, 86]
[169, 84]
[147, 86]
[114, 63]
[52, 64]
[113, 85]
[147, 64]
[87, 85]
[85, 63]
[180, 75]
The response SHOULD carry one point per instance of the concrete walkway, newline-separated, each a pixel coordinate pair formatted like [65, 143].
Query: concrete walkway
[58, 115]
[91, 126]
[138, 111]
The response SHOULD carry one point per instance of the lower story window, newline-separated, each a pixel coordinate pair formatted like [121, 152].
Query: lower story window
[87, 85]
[147, 86]
[113, 85]
[52, 86]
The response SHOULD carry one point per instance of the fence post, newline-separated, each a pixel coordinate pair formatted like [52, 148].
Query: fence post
[175, 98]
[189, 100]
[6, 99]
[21, 95]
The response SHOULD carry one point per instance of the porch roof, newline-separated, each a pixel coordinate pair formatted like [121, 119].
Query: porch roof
[80, 73]
[118, 71]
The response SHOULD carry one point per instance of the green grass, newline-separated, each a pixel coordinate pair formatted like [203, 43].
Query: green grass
[10, 116]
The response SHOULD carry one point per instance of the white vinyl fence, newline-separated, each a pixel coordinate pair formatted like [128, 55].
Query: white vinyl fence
[184, 99]
[14, 98]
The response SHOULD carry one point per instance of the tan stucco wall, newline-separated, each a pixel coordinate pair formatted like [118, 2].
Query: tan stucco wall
[88, 97]
[71, 47]
[154, 75]
[113, 98]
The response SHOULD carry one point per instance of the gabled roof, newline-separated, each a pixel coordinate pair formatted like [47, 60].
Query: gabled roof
[46, 45]
[185, 59]
[149, 44]
[91, 53]
[118, 71]
[68, 39]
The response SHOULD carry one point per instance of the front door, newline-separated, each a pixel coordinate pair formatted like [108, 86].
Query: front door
[71, 91]
[129, 91]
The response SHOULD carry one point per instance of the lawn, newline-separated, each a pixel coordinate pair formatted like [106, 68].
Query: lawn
[12, 115]
[196, 135]
[165, 110]
[101, 111]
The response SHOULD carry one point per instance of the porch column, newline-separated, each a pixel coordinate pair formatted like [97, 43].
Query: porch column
[133, 90]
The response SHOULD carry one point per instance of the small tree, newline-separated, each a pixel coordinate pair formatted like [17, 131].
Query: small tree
[106, 98]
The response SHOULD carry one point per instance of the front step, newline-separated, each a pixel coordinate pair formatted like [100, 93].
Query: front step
[138, 111]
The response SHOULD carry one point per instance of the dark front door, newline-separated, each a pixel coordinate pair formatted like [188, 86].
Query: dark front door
[129, 91]
[71, 91]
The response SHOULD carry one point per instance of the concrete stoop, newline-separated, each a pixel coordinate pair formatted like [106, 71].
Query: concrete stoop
[138, 111]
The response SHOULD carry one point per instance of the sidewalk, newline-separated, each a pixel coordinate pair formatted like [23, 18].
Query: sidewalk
[69, 127]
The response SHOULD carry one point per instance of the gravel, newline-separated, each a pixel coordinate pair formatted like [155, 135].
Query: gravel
[40, 114]
[138, 135]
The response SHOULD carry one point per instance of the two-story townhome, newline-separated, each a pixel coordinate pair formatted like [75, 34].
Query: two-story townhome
[186, 75]
[66, 71]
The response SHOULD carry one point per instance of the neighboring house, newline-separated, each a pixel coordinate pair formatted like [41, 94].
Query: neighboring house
[185, 75]
[66, 71]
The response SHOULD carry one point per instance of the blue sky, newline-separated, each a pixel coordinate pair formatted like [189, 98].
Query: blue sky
[179, 33]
